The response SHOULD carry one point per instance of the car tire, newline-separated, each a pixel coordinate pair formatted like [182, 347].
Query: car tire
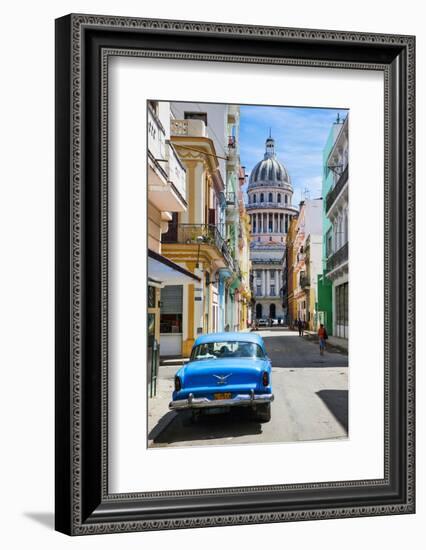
[263, 412]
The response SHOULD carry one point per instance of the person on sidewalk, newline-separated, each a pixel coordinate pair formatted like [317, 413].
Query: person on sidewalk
[300, 327]
[322, 335]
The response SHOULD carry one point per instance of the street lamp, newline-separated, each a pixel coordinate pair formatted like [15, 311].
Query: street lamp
[199, 240]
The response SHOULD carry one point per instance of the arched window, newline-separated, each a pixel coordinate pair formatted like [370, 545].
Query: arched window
[279, 197]
[286, 199]
[270, 199]
[254, 197]
[261, 197]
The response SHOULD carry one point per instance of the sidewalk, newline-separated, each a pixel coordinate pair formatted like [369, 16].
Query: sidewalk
[159, 416]
[340, 344]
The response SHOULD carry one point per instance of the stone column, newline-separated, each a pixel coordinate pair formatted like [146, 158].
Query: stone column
[276, 283]
[263, 282]
[268, 284]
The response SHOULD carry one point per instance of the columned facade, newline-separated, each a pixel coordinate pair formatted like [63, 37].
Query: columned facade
[270, 209]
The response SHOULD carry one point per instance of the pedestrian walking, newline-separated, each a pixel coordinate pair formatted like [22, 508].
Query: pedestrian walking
[322, 336]
[300, 327]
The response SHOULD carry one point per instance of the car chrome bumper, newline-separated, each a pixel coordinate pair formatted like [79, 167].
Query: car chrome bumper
[239, 400]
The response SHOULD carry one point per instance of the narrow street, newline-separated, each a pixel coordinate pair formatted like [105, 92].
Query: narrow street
[311, 401]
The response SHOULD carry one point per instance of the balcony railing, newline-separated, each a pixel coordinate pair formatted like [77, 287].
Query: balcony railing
[258, 205]
[164, 158]
[199, 234]
[338, 257]
[333, 194]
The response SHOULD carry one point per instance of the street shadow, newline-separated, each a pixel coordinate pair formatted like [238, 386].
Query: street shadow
[299, 352]
[164, 421]
[337, 403]
[234, 423]
[47, 519]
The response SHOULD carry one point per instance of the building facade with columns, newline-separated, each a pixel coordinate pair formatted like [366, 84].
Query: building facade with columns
[270, 209]
[337, 238]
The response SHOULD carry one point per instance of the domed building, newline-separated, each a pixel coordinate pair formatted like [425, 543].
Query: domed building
[270, 208]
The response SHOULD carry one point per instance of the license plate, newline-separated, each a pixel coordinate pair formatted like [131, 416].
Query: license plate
[222, 396]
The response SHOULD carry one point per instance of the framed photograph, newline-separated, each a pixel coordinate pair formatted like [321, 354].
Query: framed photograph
[223, 356]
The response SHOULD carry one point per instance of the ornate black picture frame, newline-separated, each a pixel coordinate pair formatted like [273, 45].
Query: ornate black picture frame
[84, 44]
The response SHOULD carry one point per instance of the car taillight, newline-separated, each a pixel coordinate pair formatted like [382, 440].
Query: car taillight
[265, 378]
[178, 383]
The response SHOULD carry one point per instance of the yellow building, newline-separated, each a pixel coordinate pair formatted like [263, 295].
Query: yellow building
[291, 248]
[244, 259]
[304, 249]
[193, 239]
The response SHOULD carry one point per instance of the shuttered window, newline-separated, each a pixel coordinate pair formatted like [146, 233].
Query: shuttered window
[171, 309]
[171, 299]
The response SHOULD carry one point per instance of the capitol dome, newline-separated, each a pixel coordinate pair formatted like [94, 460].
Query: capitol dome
[269, 171]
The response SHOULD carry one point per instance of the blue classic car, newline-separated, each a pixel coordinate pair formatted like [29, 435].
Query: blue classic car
[228, 369]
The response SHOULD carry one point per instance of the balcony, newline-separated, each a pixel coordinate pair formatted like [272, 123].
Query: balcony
[272, 205]
[200, 235]
[338, 258]
[189, 127]
[167, 175]
[335, 192]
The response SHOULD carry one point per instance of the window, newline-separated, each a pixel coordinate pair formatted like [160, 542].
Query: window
[272, 293]
[261, 197]
[279, 197]
[270, 199]
[171, 309]
[329, 243]
[254, 197]
[286, 199]
[342, 299]
[259, 290]
[195, 115]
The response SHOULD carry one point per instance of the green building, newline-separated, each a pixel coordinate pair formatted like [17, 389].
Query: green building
[325, 286]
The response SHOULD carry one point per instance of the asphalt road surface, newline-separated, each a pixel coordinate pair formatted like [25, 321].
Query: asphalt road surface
[311, 401]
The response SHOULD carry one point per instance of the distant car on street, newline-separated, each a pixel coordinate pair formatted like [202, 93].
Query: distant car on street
[228, 369]
[263, 322]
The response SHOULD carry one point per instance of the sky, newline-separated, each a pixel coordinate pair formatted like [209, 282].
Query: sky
[300, 135]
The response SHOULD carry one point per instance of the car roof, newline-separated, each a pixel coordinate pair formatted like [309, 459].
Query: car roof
[229, 336]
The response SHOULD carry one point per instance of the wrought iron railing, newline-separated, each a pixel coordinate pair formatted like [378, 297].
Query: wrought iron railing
[200, 234]
[333, 193]
[279, 205]
[338, 257]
